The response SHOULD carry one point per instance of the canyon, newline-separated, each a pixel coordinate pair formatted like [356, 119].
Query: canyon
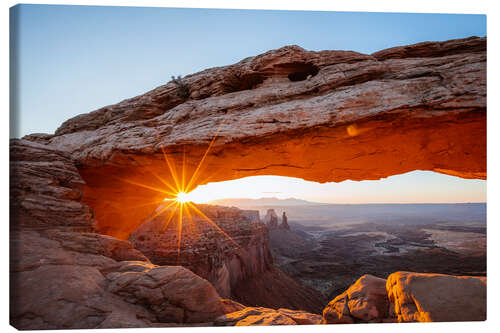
[88, 249]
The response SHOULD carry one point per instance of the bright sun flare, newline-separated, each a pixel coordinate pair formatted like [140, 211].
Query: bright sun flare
[179, 198]
[182, 197]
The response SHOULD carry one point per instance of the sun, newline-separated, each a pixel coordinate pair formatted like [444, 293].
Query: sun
[178, 196]
[182, 197]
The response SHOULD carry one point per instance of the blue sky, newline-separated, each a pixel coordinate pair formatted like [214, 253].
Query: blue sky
[75, 59]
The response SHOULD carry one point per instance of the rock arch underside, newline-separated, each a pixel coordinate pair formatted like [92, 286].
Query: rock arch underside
[89, 250]
[323, 116]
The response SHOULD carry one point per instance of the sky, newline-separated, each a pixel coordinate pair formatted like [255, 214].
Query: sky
[70, 60]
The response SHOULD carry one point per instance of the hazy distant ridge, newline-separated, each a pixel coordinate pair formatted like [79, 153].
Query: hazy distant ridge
[242, 202]
[313, 213]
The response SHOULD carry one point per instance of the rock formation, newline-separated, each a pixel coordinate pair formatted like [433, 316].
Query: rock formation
[437, 297]
[284, 222]
[258, 316]
[321, 116]
[63, 275]
[225, 256]
[77, 195]
[410, 297]
[46, 189]
[235, 259]
[364, 301]
[271, 219]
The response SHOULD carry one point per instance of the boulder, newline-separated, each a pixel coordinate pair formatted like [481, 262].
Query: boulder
[364, 301]
[172, 293]
[427, 297]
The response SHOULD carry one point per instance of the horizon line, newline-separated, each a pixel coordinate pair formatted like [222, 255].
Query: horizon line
[358, 203]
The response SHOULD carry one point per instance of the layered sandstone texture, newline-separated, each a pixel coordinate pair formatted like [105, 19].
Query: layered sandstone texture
[321, 116]
[409, 297]
[221, 244]
[63, 275]
[259, 316]
[228, 247]
[364, 301]
[437, 297]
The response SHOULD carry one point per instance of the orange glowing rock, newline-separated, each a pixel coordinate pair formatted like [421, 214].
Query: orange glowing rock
[322, 116]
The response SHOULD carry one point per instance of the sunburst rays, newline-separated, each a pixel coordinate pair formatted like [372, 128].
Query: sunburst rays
[176, 194]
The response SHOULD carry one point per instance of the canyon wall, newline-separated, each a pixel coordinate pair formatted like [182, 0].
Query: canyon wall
[223, 245]
[320, 116]
[228, 247]
[63, 275]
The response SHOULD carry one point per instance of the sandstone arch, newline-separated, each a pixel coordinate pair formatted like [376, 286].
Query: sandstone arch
[417, 107]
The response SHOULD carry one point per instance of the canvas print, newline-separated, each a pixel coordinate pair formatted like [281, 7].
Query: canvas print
[216, 167]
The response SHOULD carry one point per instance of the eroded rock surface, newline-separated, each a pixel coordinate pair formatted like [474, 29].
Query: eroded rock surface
[232, 253]
[410, 297]
[321, 116]
[259, 316]
[64, 276]
[223, 245]
[364, 301]
[46, 189]
[436, 297]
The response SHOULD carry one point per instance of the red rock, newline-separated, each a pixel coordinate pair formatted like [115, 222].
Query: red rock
[358, 117]
[364, 301]
[233, 250]
[437, 297]
[239, 266]
[259, 316]
[45, 189]
[65, 277]
[321, 116]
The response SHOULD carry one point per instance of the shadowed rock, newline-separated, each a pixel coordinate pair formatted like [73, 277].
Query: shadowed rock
[63, 276]
[231, 251]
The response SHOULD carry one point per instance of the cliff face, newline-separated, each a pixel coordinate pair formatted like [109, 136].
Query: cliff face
[235, 258]
[63, 275]
[232, 250]
[321, 116]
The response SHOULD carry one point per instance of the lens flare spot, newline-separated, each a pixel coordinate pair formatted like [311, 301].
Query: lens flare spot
[352, 130]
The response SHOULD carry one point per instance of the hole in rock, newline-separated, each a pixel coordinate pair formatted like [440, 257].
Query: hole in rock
[417, 221]
[300, 71]
[242, 81]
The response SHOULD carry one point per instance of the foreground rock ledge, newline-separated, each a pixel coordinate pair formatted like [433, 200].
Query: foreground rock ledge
[321, 116]
[410, 297]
